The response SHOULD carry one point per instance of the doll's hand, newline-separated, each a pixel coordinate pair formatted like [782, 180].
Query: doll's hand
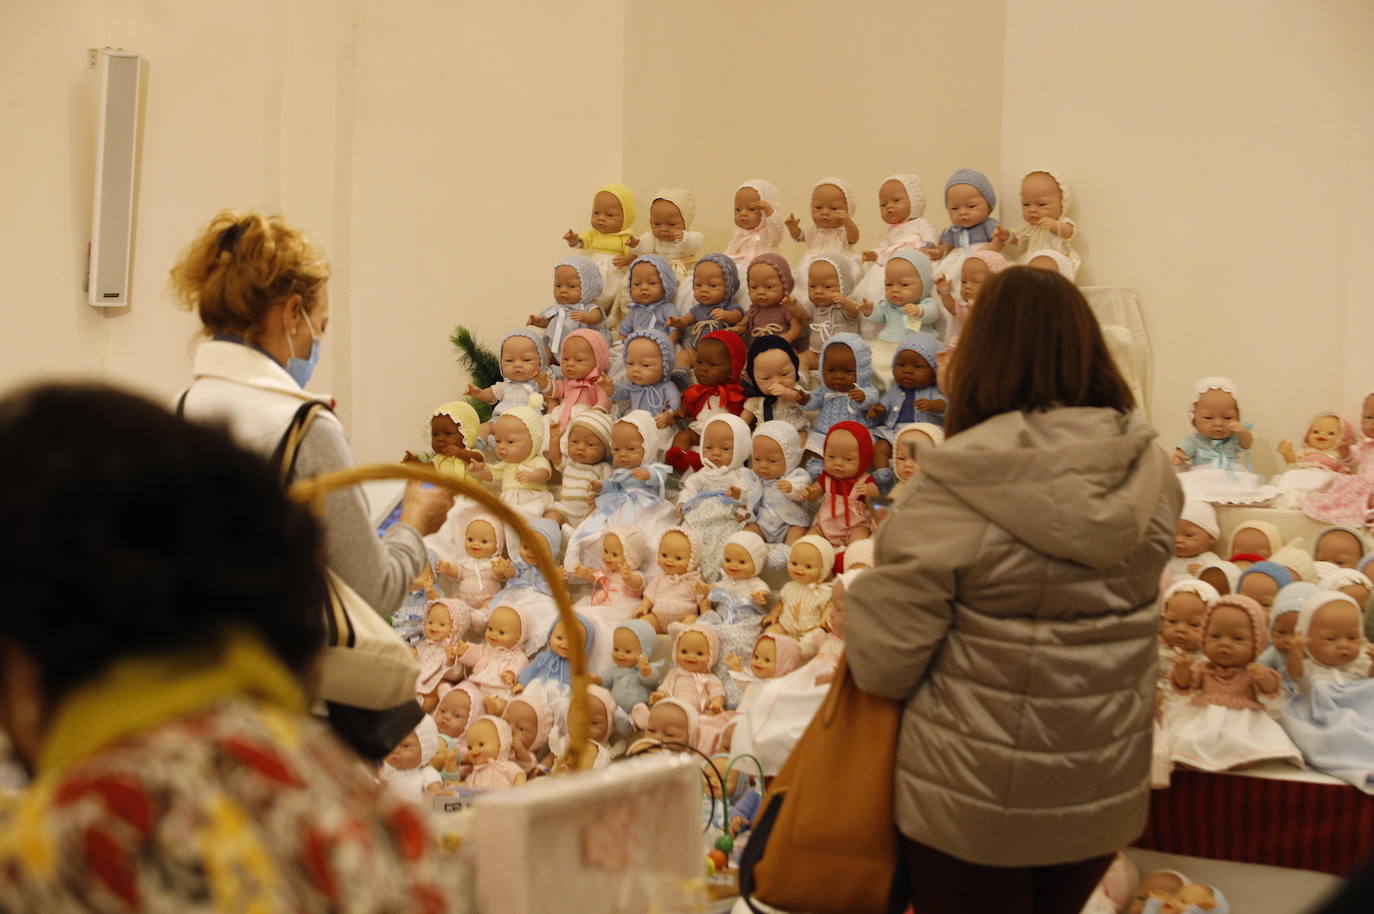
[595, 486]
[870, 489]
[640, 473]
[761, 597]
[622, 260]
[877, 411]
[784, 486]
[430, 593]
[665, 418]
[451, 652]
[606, 384]
[447, 568]
[646, 668]
[1235, 428]
[856, 394]
[508, 678]
[583, 572]
[943, 287]
[1179, 458]
[716, 706]
[1001, 235]
[579, 316]
[525, 476]
[766, 207]
[866, 307]
[926, 405]
[811, 491]
[461, 648]
[632, 241]
[679, 234]
[734, 663]
[720, 314]
[656, 697]
[1286, 449]
[481, 471]
[733, 492]
[1266, 681]
[571, 238]
[680, 321]
[737, 825]
[870, 257]
[595, 679]
[793, 226]
[913, 310]
[502, 567]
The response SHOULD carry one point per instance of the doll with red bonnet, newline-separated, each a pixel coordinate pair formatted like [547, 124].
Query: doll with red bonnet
[720, 359]
[845, 487]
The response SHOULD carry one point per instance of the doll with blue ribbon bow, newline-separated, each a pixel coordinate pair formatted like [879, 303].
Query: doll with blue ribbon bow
[576, 285]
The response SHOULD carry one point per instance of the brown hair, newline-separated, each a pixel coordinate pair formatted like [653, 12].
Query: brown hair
[240, 266]
[1031, 344]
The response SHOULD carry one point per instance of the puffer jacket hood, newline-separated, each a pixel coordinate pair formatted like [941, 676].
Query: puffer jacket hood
[1077, 483]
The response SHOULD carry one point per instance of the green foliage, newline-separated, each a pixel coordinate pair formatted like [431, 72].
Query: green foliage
[483, 366]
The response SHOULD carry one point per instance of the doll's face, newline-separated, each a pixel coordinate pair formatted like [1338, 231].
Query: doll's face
[1217, 578]
[718, 444]
[972, 276]
[966, 205]
[665, 220]
[1213, 414]
[585, 446]
[577, 358]
[764, 661]
[504, 628]
[1160, 883]
[598, 725]
[674, 553]
[1041, 197]
[748, 209]
[804, 564]
[1261, 588]
[607, 214]
[708, 283]
[406, 755]
[823, 282]
[627, 446]
[625, 647]
[527, 555]
[767, 460]
[1324, 434]
[1041, 262]
[1228, 640]
[828, 206]
[1357, 592]
[904, 463]
[765, 286]
[668, 724]
[524, 723]
[513, 441]
[911, 370]
[1191, 540]
[643, 361]
[1248, 539]
[519, 359]
[612, 550]
[693, 653]
[438, 622]
[558, 639]
[646, 286]
[567, 286]
[902, 282]
[451, 717]
[737, 563]
[841, 455]
[773, 367]
[484, 743]
[894, 203]
[1367, 416]
[713, 363]
[1282, 632]
[838, 369]
[479, 539]
[445, 436]
[1339, 547]
[1181, 626]
[1334, 637]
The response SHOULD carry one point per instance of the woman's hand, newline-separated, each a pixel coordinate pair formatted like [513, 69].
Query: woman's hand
[425, 508]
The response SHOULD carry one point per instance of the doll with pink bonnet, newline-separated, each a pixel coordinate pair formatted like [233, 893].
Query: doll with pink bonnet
[474, 573]
[1325, 453]
[446, 622]
[958, 297]
[832, 229]
[617, 586]
[671, 214]
[774, 655]
[491, 754]
[1045, 202]
[1213, 460]
[406, 771]
[576, 285]
[695, 651]
[674, 594]
[494, 664]
[459, 705]
[758, 227]
[902, 205]
[585, 358]
[584, 461]
[1347, 499]
[531, 721]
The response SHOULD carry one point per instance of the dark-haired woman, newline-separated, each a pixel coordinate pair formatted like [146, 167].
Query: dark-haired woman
[1012, 609]
[156, 695]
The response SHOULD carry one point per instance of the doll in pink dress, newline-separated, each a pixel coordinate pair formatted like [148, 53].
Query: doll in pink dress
[531, 720]
[490, 749]
[446, 622]
[1347, 500]
[694, 654]
[617, 587]
[459, 706]
[674, 595]
[584, 359]
[844, 487]
[1324, 454]
[483, 542]
[774, 655]
[495, 663]
[758, 227]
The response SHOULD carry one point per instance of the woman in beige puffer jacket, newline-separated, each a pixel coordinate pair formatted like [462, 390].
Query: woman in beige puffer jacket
[1012, 609]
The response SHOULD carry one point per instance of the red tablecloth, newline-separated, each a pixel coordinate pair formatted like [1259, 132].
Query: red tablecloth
[1322, 827]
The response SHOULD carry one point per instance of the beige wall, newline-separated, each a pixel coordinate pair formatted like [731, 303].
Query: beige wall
[1223, 155]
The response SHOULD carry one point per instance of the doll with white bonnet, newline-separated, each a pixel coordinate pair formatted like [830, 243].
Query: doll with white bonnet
[1213, 459]
[490, 753]
[674, 594]
[617, 586]
[1180, 638]
[832, 229]
[406, 770]
[771, 373]
[1283, 625]
[475, 571]
[713, 288]
[802, 603]
[830, 280]
[576, 285]
[1223, 724]
[494, 664]
[1338, 547]
[523, 360]
[446, 622]
[758, 225]
[958, 299]
[632, 495]
[1330, 665]
[670, 722]
[782, 515]
[631, 675]
[605, 721]
[1194, 537]
[912, 396]
[1221, 574]
[671, 214]
[459, 705]
[584, 464]
[454, 431]
[612, 221]
[647, 386]
[969, 202]
[827, 659]
[585, 360]
[1045, 201]
[720, 498]
[521, 468]
[846, 390]
[1052, 262]
[531, 721]
[652, 297]
[902, 204]
[736, 604]
[1255, 539]
[774, 655]
[1356, 584]
[1347, 499]
[905, 466]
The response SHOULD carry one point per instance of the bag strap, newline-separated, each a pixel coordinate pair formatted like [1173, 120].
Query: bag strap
[284, 456]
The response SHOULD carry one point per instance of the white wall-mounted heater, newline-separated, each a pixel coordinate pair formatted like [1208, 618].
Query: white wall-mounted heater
[112, 216]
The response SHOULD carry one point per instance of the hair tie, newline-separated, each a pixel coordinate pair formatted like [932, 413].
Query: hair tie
[231, 236]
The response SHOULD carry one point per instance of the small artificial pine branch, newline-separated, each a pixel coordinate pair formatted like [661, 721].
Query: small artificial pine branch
[481, 363]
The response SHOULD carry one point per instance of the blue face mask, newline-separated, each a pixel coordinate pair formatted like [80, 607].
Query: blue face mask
[300, 370]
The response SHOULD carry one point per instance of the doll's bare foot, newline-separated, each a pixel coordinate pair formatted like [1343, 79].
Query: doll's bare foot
[653, 620]
[685, 359]
[496, 706]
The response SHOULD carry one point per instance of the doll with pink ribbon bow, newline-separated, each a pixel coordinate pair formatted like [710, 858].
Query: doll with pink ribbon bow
[446, 621]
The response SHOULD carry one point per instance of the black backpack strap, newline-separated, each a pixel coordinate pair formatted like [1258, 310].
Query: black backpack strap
[284, 457]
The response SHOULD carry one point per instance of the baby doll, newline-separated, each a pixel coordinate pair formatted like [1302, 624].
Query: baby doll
[1355, 584]
[632, 495]
[1180, 638]
[1224, 576]
[521, 467]
[670, 236]
[827, 658]
[846, 390]
[1052, 262]
[648, 361]
[695, 649]
[523, 360]
[524, 582]
[772, 309]
[721, 497]
[1330, 665]
[758, 225]
[1215, 451]
[551, 664]
[446, 622]
[617, 587]
[613, 215]
[406, 771]
[409, 618]
[844, 487]
[1255, 537]
[584, 467]
[1045, 199]
[904, 464]
[737, 603]
[653, 297]
[774, 655]
[902, 204]
[673, 595]
[801, 605]
[978, 267]
[832, 229]
[497, 661]
[1283, 624]
[459, 705]
[720, 359]
[1338, 547]
[531, 721]
[1325, 453]
[829, 283]
[715, 283]
[489, 753]
[631, 678]
[913, 396]
[585, 360]
[1262, 582]
[908, 303]
[1224, 725]
[576, 285]
[452, 428]
[771, 372]
[475, 573]
[969, 200]
[1346, 500]
[604, 722]
[1196, 533]
[670, 722]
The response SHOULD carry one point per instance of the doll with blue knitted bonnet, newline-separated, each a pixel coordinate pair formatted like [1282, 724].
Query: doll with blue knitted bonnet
[758, 226]
[524, 584]
[454, 430]
[647, 387]
[722, 496]
[846, 391]
[772, 309]
[913, 396]
[613, 217]
[549, 672]
[446, 622]
[832, 229]
[771, 373]
[631, 677]
[674, 594]
[775, 458]
[617, 587]
[491, 754]
[406, 770]
[1262, 582]
[523, 363]
[631, 496]
[521, 468]
[1213, 459]
[584, 463]
[908, 304]
[969, 201]
[829, 284]
[712, 305]
[902, 204]
[652, 297]
[1045, 202]
[409, 618]
[670, 236]
[576, 285]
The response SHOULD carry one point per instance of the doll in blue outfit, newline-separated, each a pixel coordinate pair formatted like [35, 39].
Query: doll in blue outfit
[551, 668]
[715, 282]
[648, 385]
[633, 677]
[908, 305]
[576, 287]
[846, 391]
[1215, 456]
[969, 201]
[653, 293]
[913, 396]
[521, 575]
[523, 361]
[1283, 622]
